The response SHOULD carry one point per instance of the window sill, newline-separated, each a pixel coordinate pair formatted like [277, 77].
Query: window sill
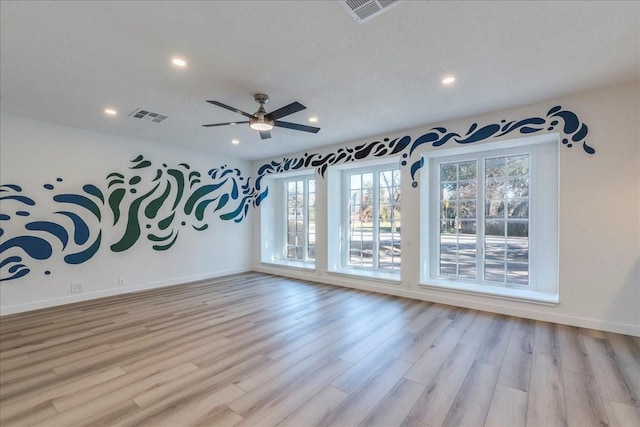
[380, 276]
[514, 294]
[307, 266]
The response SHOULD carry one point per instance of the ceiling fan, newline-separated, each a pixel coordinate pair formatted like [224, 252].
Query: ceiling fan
[263, 121]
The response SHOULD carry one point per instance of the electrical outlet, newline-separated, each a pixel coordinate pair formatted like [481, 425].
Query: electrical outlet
[121, 281]
[76, 287]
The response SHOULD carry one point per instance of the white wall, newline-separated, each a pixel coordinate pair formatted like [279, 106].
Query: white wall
[34, 153]
[599, 224]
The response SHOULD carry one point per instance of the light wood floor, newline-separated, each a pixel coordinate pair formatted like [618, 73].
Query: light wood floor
[260, 350]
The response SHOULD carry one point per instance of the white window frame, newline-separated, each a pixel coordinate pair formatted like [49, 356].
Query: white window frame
[337, 205]
[346, 214]
[273, 222]
[284, 229]
[543, 218]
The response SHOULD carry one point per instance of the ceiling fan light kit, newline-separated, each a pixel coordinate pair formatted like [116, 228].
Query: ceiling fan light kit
[262, 121]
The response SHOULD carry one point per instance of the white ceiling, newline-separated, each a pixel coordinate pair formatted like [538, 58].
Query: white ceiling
[65, 62]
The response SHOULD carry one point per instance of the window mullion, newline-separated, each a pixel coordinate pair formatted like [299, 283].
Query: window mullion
[376, 219]
[305, 217]
[480, 208]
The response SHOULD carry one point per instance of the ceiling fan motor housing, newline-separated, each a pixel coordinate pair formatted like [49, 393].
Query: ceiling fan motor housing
[258, 122]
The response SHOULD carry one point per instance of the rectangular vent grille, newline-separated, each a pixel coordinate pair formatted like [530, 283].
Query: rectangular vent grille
[364, 10]
[147, 115]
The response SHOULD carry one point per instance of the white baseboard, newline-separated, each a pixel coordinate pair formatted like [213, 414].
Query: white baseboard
[54, 302]
[459, 300]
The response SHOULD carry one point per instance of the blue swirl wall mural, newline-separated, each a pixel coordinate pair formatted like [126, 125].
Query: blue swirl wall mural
[156, 202]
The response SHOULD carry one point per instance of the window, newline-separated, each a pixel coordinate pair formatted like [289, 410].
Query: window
[372, 218]
[500, 231]
[288, 221]
[300, 238]
[490, 216]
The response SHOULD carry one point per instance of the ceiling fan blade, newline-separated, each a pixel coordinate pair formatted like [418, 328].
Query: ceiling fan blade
[265, 134]
[235, 110]
[223, 124]
[294, 107]
[296, 126]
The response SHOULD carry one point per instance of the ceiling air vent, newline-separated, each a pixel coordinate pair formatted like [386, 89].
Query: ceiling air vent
[364, 10]
[147, 115]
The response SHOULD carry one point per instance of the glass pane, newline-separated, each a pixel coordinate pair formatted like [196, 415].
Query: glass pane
[467, 268]
[396, 177]
[388, 252]
[467, 210]
[355, 181]
[518, 228]
[494, 271]
[448, 172]
[448, 191]
[448, 209]
[494, 209]
[494, 189]
[518, 187]
[494, 248]
[494, 228]
[367, 180]
[518, 165]
[518, 249]
[467, 237]
[467, 190]
[467, 170]
[494, 167]
[518, 208]
[517, 273]
[312, 186]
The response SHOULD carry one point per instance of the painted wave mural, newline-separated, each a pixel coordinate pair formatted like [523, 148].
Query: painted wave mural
[146, 203]
[155, 203]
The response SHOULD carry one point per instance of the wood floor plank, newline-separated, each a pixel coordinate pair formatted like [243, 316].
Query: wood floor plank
[508, 408]
[262, 394]
[495, 344]
[423, 340]
[573, 354]
[13, 408]
[426, 367]
[546, 396]
[262, 350]
[627, 357]
[477, 331]
[434, 404]
[395, 405]
[363, 400]
[366, 367]
[607, 373]
[584, 406]
[316, 408]
[109, 416]
[471, 405]
[69, 413]
[202, 411]
[621, 415]
[288, 400]
[515, 371]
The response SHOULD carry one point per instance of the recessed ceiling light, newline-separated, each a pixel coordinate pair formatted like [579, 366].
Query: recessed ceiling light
[178, 62]
[235, 141]
[110, 111]
[448, 80]
[313, 119]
